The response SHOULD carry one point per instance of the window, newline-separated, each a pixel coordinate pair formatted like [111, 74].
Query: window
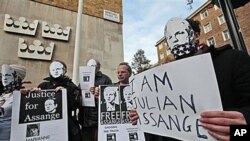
[168, 52]
[221, 19]
[226, 35]
[161, 55]
[211, 41]
[207, 28]
[204, 15]
[160, 46]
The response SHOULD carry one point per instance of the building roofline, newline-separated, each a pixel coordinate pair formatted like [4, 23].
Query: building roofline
[205, 4]
[159, 41]
[199, 9]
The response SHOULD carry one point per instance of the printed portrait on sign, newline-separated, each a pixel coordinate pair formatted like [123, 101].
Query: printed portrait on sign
[133, 136]
[33, 130]
[86, 78]
[126, 98]
[126, 103]
[50, 105]
[41, 106]
[109, 105]
[111, 137]
[110, 99]
[87, 94]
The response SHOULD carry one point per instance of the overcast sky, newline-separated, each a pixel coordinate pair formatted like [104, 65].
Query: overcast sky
[144, 21]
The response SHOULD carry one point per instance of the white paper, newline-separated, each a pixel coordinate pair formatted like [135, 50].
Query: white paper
[175, 94]
[30, 121]
[87, 80]
[88, 99]
[114, 124]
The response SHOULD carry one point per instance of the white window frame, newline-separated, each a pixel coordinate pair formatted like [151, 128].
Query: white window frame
[225, 35]
[208, 41]
[205, 28]
[221, 19]
[162, 55]
[160, 46]
[204, 15]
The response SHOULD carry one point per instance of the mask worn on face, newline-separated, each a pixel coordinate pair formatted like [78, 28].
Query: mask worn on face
[57, 70]
[180, 38]
[9, 79]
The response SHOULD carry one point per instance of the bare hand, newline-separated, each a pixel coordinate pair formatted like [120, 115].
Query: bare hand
[35, 90]
[133, 115]
[59, 88]
[25, 91]
[218, 123]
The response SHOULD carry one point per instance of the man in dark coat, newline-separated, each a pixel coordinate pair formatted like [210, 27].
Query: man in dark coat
[57, 80]
[88, 116]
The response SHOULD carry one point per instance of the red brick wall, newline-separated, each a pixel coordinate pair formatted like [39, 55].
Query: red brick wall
[90, 7]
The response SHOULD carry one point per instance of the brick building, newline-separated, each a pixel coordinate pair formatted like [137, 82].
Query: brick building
[213, 27]
[35, 32]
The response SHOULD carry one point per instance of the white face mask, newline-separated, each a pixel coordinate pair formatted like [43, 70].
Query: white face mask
[7, 75]
[56, 69]
[180, 37]
[92, 63]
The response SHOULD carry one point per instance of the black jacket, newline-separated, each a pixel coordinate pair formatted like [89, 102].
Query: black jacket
[88, 116]
[73, 101]
[232, 69]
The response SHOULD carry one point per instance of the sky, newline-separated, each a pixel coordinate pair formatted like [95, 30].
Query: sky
[144, 21]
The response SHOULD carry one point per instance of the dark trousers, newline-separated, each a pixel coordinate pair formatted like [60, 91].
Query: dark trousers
[152, 137]
[89, 133]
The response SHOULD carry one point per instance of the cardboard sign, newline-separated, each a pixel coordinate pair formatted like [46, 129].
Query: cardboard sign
[35, 116]
[170, 98]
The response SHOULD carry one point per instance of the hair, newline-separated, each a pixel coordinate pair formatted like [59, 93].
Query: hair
[195, 24]
[98, 64]
[128, 66]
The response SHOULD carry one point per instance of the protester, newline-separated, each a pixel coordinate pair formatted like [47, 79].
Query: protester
[88, 116]
[1, 84]
[58, 80]
[109, 104]
[12, 77]
[124, 71]
[232, 70]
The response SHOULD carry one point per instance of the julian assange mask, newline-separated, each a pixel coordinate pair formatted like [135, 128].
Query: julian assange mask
[180, 37]
[7, 75]
[56, 69]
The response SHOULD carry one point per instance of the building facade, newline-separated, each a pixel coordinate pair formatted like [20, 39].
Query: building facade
[213, 27]
[35, 32]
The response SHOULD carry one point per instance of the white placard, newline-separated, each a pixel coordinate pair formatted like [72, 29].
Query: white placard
[170, 98]
[114, 122]
[35, 116]
[87, 80]
[109, 15]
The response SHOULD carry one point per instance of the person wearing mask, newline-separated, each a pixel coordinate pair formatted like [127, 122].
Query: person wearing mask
[232, 69]
[12, 77]
[88, 116]
[58, 80]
